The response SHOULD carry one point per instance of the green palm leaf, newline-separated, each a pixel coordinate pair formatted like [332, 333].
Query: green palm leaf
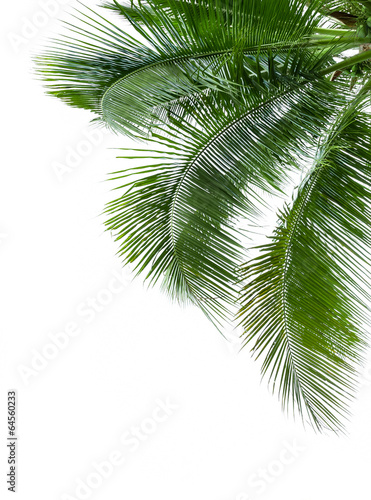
[305, 303]
[187, 49]
[235, 94]
[178, 221]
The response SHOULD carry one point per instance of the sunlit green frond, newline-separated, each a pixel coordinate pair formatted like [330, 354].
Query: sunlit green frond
[305, 302]
[177, 221]
[129, 83]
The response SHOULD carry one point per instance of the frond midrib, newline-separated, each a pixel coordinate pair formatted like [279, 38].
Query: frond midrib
[284, 286]
[202, 151]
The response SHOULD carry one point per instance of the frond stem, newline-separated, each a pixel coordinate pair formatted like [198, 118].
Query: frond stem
[348, 62]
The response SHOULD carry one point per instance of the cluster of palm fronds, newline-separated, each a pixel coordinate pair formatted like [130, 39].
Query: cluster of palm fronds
[231, 97]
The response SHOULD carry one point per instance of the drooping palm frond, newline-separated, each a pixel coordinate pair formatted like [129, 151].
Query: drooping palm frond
[177, 222]
[305, 304]
[234, 92]
[193, 46]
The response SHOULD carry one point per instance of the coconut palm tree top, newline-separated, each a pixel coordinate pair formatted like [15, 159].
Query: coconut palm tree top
[227, 100]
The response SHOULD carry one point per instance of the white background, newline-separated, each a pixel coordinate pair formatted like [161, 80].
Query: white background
[226, 440]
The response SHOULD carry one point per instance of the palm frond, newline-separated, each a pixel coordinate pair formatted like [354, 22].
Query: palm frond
[178, 221]
[305, 302]
[191, 47]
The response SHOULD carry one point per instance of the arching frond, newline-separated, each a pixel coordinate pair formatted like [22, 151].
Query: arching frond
[187, 49]
[305, 303]
[178, 221]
